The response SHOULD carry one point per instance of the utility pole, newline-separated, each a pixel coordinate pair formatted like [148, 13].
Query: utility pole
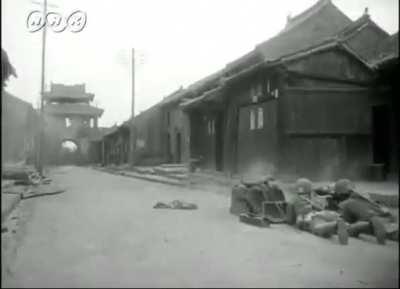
[133, 84]
[132, 127]
[41, 128]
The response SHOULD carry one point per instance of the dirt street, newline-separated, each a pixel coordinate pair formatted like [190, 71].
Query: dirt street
[104, 232]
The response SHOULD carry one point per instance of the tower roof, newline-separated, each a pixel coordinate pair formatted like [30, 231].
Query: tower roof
[73, 109]
[68, 93]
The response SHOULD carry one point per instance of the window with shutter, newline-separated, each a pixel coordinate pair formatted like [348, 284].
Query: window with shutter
[252, 120]
[67, 122]
[260, 118]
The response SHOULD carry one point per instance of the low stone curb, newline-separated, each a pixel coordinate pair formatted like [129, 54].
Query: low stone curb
[8, 204]
[143, 177]
[34, 194]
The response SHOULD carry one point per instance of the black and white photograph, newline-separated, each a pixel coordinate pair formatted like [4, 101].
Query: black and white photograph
[199, 144]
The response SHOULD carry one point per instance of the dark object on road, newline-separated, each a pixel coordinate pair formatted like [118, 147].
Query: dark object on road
[4, 230]
[259, 197]
[248, 196]
[254, 220]
[176, 204]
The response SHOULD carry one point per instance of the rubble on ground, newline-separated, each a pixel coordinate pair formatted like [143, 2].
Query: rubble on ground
[176, 204]
[21, 182]
[42, 190]
[20, 175]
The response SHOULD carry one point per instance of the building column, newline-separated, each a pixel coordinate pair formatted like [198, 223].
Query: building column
[186, 138]
[103, 152]
[95, 122]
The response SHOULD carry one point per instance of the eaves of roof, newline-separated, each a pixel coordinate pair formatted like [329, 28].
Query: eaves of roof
[205, 96]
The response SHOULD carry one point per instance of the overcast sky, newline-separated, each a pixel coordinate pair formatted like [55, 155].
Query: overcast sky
[177, 43]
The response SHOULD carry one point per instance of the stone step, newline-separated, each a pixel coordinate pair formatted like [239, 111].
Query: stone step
[219, 179]
[172, 165]
[143, 176]
[179, 176]
[143, 170]
[168, 171]
[154, 178]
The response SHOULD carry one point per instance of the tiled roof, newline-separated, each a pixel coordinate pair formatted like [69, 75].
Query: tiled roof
[73, 108]
[208, 80]
[296, 20]
[321, 21]
[388, 49]
[176, 95]
[357, 36]
[193, 89]
[205, 96]
[317, 24]
[110, 130]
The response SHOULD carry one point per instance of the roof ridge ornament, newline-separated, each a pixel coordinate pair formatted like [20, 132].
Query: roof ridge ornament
[288, 17]
[366, 12]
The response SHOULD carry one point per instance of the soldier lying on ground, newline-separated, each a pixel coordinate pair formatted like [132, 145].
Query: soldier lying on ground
[312, 216]
[361, 214]
[365, 215]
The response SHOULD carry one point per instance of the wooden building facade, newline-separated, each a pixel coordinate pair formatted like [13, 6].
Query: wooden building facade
[312, 101]
[304, 109]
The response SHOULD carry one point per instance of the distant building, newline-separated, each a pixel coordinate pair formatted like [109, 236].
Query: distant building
[19, 121]
[115, 146]
[7, 69]
[69, 116]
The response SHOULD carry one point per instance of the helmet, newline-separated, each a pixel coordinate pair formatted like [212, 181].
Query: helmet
[303, 186]
[344, 186]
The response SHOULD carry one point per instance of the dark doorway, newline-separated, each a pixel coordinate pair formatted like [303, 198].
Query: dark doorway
[168, 148]
[257, 139]
[178, 147]
[381, 135]
[219, 130]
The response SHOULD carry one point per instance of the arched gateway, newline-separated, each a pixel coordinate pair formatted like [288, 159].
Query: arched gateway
[70, 121]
